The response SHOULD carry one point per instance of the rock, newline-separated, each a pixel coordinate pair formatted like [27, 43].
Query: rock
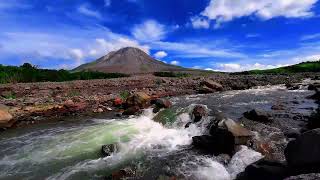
[314, 120]
[312, 176]
[278, 107]
[162, 103]
[241, 134]
[133, 110]
[305, 150]
[292, 86]
[292, 133]
[209, 86]
[122, 174]
[213, 85]
[221, 142]
[140, 99]
[258, 115]
[198, 112]
[264, 170]
[316, 96]
[108, 149]
[6, 119]
[165, 116]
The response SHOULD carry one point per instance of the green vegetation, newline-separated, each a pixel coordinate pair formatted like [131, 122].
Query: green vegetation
[29, 73]
[8, 95]
[171, 74]
[124, 95]
[313, 66]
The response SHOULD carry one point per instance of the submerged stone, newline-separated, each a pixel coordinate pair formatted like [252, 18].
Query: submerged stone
[108, 149]
[166, 116]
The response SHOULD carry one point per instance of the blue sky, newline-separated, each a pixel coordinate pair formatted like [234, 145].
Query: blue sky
[225, 35]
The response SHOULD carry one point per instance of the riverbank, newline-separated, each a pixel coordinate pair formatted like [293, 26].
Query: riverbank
[32, 103]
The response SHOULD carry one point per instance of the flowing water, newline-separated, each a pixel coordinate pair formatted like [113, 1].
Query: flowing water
[71, 150]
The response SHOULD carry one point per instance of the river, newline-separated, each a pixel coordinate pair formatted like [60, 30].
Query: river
[71, 149]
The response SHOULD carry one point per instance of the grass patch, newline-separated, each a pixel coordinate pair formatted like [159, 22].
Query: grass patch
[171, 74]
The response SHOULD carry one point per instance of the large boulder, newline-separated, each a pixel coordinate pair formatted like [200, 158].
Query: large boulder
[258, 115]
[222, 142]
[304, 151]
[240, 133]
[140, 99]
[209, 86]
[6, 119]
[165, 116]
[264, 170]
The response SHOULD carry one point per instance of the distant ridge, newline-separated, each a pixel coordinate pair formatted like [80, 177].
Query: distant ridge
[128, 60]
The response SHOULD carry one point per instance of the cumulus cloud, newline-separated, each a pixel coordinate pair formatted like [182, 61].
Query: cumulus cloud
[149, 31]
[160, 54]
[78, 55]
[234, 67]
[103, 46]
[227, 10]
[85, 10]
[175, 62]
[200, 22]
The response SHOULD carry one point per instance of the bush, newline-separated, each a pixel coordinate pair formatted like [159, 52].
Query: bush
[29, 73]
[171, 74]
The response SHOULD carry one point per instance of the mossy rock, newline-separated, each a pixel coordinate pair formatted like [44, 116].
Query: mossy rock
[166, 116]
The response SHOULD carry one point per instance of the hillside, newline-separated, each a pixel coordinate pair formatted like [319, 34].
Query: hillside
[127, 60]
[310, 66]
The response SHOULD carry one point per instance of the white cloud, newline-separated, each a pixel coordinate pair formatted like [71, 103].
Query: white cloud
[85, 10]
[107, 3]
[234, 67]
[160, 54]
[175, 62]
[200, 22]
[227, 10]
[196, 50]
[149, 31]
[78, 55]
[103, 46]
[310, 37]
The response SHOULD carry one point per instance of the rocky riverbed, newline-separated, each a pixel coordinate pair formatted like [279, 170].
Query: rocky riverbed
[32, 103]
[265, 132]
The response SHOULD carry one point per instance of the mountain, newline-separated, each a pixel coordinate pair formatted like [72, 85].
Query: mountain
[310, 66]
[128, 60]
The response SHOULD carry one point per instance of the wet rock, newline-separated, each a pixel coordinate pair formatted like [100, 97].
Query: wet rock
[108, 149]
[165, 116]
[198, 112]
[122, 174]
[312, 176]
[140, 99]
[314, 120]
[133, 110]
[241, 134]
[292, 133]
[278, 107]
[221, 142]
[316, 96]
[258, 115]
[304, 151]
[162, 103]
[264, 170]
[292, 86]
[6, 119]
